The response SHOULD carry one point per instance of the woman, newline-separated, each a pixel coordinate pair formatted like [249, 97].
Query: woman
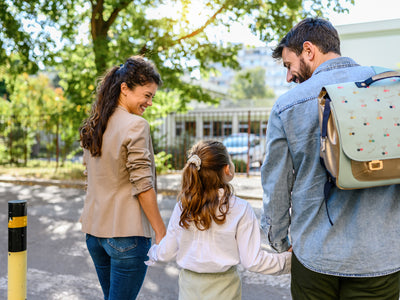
[121, 201]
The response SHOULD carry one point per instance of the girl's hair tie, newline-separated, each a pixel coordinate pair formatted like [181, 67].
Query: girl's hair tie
[195, 159]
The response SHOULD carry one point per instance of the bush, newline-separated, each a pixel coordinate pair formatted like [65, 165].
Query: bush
[240, 166]
[162, 162]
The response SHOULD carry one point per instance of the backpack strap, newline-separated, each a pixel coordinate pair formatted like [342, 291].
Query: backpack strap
[330, 183]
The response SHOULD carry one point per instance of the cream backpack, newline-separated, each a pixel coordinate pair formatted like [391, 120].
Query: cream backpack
[360, 132]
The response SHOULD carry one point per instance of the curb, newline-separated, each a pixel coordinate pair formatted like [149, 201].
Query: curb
[44, 182]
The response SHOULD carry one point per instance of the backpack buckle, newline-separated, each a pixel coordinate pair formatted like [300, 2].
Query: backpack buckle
[323, 144]
[375, 165]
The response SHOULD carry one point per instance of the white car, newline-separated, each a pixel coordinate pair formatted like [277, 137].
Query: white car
[237, 146]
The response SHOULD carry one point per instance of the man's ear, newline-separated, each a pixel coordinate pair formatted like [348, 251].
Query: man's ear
[309, 50]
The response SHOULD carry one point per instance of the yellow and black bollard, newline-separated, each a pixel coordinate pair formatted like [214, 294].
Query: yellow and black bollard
[17, 253]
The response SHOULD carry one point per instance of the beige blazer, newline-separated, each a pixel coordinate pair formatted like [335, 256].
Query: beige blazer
[125, 169]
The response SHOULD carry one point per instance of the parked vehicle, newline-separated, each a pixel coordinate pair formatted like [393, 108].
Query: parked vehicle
[238, 147]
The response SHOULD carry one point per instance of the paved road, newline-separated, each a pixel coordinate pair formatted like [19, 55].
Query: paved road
[59, 266]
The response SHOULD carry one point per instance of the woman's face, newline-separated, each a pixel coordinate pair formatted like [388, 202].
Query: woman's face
[136, 100]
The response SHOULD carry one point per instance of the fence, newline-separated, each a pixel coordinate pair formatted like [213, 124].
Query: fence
[42, 137]
[241, 130]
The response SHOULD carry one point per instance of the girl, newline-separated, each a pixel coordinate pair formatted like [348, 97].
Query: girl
[211, 231]
[121, 201]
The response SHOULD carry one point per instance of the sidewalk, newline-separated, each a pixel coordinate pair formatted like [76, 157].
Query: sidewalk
[59, 265]
[248, 188]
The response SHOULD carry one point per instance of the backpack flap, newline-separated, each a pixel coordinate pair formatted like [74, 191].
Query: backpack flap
[367, 121]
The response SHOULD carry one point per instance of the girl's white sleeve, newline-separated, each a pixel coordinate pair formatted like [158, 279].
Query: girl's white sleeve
[167, 249]
[252, 257]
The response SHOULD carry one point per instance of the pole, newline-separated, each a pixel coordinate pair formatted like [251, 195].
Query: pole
[17, 253]
[248, 143]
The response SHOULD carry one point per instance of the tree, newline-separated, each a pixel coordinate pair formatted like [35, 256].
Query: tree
[35, 109]
[250, 84]
[117, 29]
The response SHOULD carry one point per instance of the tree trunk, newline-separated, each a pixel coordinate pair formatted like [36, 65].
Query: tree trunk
[100, 48]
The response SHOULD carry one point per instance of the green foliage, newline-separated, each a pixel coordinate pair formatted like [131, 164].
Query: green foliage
[36, 111]
[162, 162]
[176, 42]
[164, 103]
[250, 84]
[98, 34]
[240, 166]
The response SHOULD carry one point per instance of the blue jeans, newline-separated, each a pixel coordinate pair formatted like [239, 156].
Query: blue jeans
[119, 264]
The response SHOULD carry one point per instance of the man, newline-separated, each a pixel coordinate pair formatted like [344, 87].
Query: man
[358, 256]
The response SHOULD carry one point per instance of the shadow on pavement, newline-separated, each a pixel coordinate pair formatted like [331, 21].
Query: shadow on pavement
[59, 266]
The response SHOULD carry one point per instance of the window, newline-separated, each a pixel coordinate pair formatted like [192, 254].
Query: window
[178, 128]
[190, 128]
[243, 126]
[256, 127]
[217, 128]
[227, 128]
[207, 127]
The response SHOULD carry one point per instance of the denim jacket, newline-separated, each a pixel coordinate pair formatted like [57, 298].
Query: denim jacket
[364, 239]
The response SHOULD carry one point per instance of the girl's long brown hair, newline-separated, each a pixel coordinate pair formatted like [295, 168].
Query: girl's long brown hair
[135, 71]
[200, 198]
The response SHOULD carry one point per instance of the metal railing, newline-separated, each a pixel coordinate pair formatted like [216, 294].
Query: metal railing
[241, 130]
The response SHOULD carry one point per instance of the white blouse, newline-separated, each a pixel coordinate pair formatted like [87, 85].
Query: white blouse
[221, 246]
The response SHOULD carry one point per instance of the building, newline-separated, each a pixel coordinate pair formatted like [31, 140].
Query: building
[248, 58]
[373, 43]
[215, 123]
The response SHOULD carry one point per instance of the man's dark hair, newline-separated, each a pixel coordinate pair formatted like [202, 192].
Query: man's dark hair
[318, 31]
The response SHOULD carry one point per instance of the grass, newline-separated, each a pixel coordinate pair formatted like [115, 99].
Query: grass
[41, 169]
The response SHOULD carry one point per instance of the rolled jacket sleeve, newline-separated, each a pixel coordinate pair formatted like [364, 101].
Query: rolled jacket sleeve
[139, 158]
[277, 181]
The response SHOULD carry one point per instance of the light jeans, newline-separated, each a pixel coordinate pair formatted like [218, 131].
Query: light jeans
[119, 264]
